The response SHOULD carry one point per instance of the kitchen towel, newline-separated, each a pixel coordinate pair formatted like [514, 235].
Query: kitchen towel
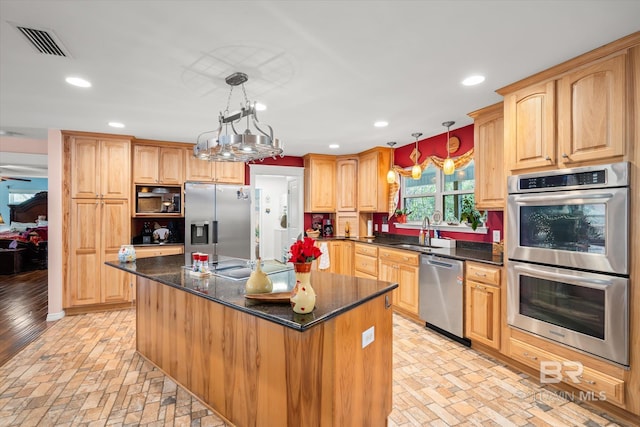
[324, 262]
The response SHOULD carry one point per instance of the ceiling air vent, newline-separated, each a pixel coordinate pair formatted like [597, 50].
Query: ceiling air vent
[42, 40]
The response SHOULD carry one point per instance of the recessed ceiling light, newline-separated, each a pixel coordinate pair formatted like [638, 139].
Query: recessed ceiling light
[260, 107]
[77, 81]
[381, 124]
[473, 80]
[116, 124]
[334, 146]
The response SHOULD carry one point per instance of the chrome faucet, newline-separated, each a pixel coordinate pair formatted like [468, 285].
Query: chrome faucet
[425, 235]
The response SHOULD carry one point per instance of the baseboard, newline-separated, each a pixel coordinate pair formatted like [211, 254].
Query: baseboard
[52, 317]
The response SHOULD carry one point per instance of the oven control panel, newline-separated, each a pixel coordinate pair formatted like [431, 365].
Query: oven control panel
[564, 180]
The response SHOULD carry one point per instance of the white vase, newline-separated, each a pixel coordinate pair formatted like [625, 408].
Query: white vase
[303, 296]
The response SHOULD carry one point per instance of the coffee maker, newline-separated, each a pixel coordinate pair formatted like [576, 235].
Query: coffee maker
[327, 228]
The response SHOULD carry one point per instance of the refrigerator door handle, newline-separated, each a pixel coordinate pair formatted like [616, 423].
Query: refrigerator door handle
[214, 231]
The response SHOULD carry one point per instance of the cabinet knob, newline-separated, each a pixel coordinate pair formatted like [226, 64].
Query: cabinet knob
[548, 159]
[564, 156]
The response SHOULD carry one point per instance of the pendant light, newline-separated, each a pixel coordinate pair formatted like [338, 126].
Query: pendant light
[448, 167]
[416, 170]
[391, 175]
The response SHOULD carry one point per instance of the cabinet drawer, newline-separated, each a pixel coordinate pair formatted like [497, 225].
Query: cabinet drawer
[483, 273]
[601, 385]
[148, 252]
[368, 250]
[365, 275]
[404, 257]
[366, 264]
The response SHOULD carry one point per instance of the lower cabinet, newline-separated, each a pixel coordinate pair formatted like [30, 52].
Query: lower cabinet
[340, 257]
[401, 267]
[482, 304]
[365, 261]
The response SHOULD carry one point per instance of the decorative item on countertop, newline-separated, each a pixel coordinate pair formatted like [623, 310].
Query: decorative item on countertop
[469, 214]
[200, 264]
[258, 282]
[401, 215]
[347, 229]
[127, 253]
[302, 254]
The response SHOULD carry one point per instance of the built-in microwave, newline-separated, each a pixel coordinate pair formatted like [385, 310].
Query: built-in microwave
[158, 200]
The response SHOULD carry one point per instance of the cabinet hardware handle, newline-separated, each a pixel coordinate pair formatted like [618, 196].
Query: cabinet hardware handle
[564, 156]
[387, 304]
[480, 287]
[481, 275]
[527, 355]
[586, 381]
[548, 159]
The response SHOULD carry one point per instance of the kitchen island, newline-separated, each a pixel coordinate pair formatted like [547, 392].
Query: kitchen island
[262, 364]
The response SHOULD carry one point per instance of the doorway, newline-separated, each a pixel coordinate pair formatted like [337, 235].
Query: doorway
[277, 218]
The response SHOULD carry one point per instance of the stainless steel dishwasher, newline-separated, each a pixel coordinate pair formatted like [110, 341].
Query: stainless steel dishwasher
[441, 300]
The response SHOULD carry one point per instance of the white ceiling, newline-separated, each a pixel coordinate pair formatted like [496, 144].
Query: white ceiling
[326, 69]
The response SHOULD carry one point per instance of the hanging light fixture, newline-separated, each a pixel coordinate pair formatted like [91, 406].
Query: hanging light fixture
[448, 167]
[231, 145]
[391, 175]
[416, 170]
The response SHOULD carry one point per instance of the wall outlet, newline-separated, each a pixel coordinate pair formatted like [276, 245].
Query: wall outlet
[368, 336]
[496, 236]
[385, 228]
[375, 227]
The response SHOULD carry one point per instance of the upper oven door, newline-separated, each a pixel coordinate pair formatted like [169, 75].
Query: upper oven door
[584, 229]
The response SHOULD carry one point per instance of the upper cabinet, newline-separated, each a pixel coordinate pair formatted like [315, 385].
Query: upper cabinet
[101, 166]
[488, 135]
[218, 172]
[347, 188]
[529, 126]
[153, 164]
[592, 112]
[574, 114]
[373, 189]
[320, 183]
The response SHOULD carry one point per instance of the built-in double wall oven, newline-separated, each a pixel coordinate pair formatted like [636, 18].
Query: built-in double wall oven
[568, 257]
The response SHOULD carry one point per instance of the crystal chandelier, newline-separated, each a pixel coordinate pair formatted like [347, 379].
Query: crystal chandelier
[226, 144]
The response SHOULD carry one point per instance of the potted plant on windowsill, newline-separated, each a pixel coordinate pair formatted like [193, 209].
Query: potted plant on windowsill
[401, 215]
[469, 215]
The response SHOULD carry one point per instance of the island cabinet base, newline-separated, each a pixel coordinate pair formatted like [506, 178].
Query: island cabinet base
[254, 372]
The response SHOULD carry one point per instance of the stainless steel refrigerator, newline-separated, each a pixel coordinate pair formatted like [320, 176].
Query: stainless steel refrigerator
[217, 220]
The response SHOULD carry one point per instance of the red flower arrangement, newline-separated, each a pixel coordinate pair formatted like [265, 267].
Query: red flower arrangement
[304, 251]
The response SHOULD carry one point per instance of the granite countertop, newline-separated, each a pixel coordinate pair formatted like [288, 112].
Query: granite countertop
[336, 294]
[464, 251]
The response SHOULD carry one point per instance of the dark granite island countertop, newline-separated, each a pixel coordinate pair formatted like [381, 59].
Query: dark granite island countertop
[262, 364]
[335, 293]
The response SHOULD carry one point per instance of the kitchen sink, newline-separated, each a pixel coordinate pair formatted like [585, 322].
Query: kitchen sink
[414, 247]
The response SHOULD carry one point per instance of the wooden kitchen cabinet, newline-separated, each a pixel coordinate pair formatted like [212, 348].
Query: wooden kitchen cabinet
[488, 154]
[365, 261]
[482, 304]
[340, 257]
[319, 183]
[401, 267]
[100, 227]
[154, 164]
[592, 112]
[530, 126]
[100, 167]
[347, 184]
[217, 172]
[373, 189]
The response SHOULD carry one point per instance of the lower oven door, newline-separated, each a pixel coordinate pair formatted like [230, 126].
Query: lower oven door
[585, 229]
[587, 311]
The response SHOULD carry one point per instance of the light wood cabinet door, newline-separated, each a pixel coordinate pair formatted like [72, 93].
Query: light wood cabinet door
[171, 166]
[229, 172]
[592, 113]
[98, 228]
[197, 169]
[347, 187]
[483, 313]
[320, 183]
[490, 172]
[373, 189]
[145, 164]
[408, 288]
[530, 126]
[99, 167]
[406, 274]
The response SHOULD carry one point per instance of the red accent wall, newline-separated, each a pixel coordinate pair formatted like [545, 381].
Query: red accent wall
[279, 161]
[437, 145]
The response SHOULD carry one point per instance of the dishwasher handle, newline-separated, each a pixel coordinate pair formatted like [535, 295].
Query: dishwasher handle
[438, 263]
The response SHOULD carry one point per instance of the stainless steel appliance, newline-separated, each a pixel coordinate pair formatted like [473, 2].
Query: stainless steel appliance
[568, 266]
[441, 295]
[217, 221]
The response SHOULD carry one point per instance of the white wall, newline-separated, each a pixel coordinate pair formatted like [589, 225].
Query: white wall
[273, 200]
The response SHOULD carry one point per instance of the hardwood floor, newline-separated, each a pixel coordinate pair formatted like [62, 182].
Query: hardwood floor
[23, 311]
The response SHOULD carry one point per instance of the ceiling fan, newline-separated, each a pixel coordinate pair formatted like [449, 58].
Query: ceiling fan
[9, 178]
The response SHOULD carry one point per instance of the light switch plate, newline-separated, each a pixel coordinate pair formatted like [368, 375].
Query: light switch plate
[496, 236]
[368, 336]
